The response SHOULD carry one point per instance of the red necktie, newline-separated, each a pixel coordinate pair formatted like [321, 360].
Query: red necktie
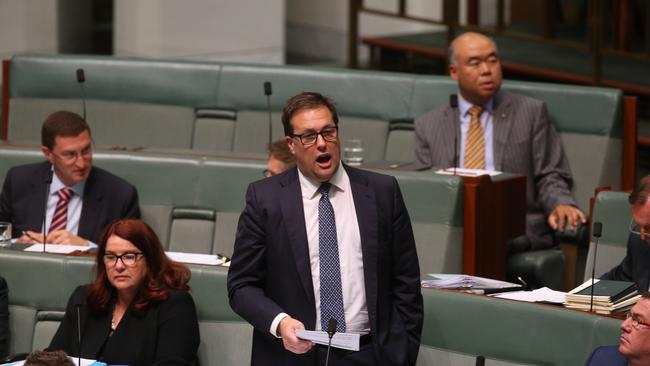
[60, 217]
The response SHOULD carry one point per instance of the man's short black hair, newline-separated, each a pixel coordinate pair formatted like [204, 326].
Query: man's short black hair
[64, 124]
[303, 101]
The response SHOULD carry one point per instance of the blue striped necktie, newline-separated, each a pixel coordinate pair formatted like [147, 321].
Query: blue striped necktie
[331, 293]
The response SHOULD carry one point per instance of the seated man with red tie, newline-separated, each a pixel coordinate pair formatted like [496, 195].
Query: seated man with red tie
[81, 199]
[502, 131]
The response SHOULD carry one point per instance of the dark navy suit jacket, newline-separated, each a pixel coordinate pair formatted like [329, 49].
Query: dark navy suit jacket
[635, 267]
[270, 271]
[106, 198]
[606, 356]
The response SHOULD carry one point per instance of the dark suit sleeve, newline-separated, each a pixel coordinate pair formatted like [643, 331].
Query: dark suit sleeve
[178, 331]
[5, 198]
[247, 274]
[131, 208]
[422, 149]
[406, 275]
[552, 174]
[624, 271]
[4, 318]
[65, 338]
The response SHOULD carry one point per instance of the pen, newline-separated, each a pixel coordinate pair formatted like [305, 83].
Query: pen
[29, 236]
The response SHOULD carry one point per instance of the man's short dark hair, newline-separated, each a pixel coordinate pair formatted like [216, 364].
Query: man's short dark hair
[640, 194]
[303, 101]
[43, 358]
[280, 150]
[62, 124]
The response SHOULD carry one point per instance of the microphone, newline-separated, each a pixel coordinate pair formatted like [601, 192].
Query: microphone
[268, 92]
[48, 181]
[596, 233]
[453, 103]
[78, 306]
[81, 78]
[331, 329]
[480, 361]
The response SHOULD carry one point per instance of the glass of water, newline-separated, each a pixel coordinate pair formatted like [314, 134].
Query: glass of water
[5, 233]
[353, 152]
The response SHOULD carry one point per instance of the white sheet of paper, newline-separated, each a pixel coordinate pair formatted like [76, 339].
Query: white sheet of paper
[56, 248]
[208, 259]
[349, 341]
[463, 172]
[541, 294]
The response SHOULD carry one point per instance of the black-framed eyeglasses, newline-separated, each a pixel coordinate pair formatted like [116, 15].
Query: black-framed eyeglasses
[636, 323]
[330, 134]
[129, 259]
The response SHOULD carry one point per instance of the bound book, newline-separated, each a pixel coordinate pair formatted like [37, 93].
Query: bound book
[608, 296]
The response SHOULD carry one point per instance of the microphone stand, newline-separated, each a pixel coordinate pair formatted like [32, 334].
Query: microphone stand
[78, 306]
[48, 183]
[331, 329]
[81, 78]
[598, 227]
[453, 103]
[268, 91]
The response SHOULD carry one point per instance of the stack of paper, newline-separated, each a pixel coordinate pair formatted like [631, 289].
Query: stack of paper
[466, 282]
[349, 341]
[195, 258]
[609, 296]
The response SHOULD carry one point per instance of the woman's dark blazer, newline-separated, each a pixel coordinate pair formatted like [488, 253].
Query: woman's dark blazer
[165, 334]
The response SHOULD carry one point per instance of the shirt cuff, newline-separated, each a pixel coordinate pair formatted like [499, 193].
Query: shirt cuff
[275, 323]
[91, 245]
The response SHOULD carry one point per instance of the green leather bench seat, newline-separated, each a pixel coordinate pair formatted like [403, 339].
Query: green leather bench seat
[40, 285]
[220, 107]
[613, 211]
[193, 202]
[457, 326]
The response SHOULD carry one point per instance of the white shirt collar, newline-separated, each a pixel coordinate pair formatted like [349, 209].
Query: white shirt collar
[309, 187]
[464, 105]
[57, 184]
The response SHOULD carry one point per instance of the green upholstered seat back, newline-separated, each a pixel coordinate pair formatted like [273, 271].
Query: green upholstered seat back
[613, 211]
[40, 285]
[512, 331]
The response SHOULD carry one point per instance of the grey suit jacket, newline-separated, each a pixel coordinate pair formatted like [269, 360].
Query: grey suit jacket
[525, 142]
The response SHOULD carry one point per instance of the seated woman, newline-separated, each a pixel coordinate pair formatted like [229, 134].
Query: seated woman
[138, 311]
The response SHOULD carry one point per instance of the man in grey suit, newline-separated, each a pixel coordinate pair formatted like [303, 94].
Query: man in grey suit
[516, 137]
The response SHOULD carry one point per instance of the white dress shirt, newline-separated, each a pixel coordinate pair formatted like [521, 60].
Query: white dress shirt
[349, 243]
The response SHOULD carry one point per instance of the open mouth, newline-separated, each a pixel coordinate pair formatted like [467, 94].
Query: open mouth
[325, 158]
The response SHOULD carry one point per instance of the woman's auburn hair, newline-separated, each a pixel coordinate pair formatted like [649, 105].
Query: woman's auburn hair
[163, 274]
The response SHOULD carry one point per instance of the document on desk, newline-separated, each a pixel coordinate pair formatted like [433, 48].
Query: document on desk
[56, 248]
[209, 259]
[543, 294]
[349, 341]
[464, 172]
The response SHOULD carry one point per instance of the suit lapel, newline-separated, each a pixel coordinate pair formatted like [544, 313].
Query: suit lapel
[91, 207]
[294, 219]
[502, 122]
[95, 333]
[35, 220]
[367, 216]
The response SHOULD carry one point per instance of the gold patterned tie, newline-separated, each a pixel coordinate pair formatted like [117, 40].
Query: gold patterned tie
[475, 144]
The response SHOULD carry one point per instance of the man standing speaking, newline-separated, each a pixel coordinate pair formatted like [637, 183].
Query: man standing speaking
[326, 241]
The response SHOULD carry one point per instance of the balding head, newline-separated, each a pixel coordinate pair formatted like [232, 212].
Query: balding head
[474, 64]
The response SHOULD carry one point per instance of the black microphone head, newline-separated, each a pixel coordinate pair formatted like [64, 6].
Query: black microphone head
[480, 361]
[331, 327]
[597, 229]
[81, 77]
[267, 88]
[453, 101]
